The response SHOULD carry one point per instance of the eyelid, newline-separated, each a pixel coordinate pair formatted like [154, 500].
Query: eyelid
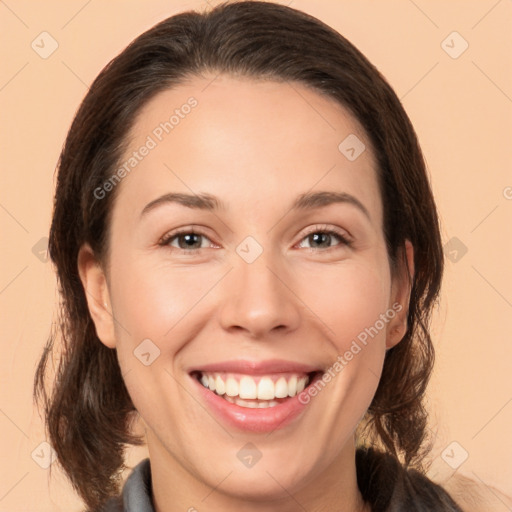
[345, 238]
[186, 230]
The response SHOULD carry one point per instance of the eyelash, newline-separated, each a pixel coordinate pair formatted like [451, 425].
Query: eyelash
[344, 239]
[167, 239]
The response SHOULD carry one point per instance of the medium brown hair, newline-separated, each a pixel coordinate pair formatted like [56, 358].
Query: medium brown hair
[89, 410]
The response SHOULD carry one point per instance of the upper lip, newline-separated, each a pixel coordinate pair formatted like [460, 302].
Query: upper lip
[256, 367]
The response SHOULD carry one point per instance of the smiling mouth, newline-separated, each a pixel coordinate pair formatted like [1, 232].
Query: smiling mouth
[255, 391]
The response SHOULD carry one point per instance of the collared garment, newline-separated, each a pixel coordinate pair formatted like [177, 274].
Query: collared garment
[384, 484]
[137, 494]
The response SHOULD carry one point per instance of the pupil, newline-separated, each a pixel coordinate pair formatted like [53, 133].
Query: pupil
[316, 236]
[189, 241]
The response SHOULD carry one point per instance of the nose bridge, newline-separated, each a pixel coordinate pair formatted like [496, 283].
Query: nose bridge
[257, 298]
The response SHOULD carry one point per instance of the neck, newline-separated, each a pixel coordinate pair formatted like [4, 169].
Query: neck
[178, 487]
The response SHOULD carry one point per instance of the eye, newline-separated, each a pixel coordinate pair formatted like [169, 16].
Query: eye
[321, 238]
[188, 240]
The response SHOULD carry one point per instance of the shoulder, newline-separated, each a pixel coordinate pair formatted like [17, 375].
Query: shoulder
[476, 496]
[389, 487]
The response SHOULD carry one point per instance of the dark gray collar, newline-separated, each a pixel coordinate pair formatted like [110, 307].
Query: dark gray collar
[136, 495]
[137, 489]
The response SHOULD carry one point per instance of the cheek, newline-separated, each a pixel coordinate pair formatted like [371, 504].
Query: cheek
[343, 299]
[151, 300]
[348, 298]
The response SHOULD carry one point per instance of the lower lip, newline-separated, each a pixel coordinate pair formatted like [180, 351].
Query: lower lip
[255, 420]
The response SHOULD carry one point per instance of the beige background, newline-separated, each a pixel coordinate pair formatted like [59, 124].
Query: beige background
[462, 110]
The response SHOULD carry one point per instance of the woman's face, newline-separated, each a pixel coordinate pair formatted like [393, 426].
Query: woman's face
[280, 271]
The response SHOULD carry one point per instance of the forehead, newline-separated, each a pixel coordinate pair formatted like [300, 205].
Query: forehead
[248, 141]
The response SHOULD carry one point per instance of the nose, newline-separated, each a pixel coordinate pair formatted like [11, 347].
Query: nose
[259, 299]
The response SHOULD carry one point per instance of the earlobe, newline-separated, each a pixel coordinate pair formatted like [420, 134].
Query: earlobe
[400, 295]
[396, 334]
[97, 295]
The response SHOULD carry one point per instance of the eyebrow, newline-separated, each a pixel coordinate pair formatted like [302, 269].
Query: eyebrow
[306, 201]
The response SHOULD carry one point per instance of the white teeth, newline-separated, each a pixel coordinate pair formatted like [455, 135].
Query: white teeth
[231, 387]
[292, 386]
[281, 388]
[266, 389]
[253, 404]
[243, 403]
[247, 388]
[220, 387]
[270, 403]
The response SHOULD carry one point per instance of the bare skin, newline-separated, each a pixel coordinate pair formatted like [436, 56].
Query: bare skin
[256, 146]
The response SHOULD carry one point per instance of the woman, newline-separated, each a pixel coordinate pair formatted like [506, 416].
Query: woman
[248, 252]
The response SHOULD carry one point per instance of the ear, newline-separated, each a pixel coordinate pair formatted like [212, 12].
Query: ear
[400, 294]
[97, 294]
